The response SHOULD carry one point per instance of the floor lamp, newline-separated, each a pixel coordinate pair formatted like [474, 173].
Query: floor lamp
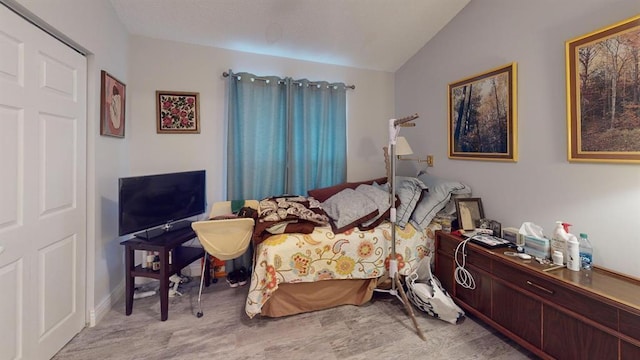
[396, 287]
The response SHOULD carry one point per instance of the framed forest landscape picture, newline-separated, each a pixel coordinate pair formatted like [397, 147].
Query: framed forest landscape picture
[112, 105]
[482, 116]
[177, 112]
[603, 94]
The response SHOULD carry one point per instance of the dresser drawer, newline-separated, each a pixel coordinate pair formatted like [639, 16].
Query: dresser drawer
[447, 245]
[569, 299]
[630, 324]
[474, 254]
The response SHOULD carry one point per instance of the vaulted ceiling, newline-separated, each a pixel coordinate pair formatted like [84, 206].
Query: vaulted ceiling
[368, 34]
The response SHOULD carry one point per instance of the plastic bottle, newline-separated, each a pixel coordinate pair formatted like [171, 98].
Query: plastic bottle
[559, 238]
[573, 253]
[586, 252]
[557, 258]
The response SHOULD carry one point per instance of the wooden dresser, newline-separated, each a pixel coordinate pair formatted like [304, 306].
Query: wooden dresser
[555, 313]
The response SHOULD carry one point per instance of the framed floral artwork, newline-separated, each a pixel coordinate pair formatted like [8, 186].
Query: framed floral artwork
[482, 122]
[603, 106]
[177, 112]
[112, 105]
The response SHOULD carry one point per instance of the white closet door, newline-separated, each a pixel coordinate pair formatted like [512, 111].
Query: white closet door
[42, 191]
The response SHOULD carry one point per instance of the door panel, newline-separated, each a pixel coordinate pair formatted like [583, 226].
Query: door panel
[58, 168]
[517, 312]
[43, 189]
[11, 311]
[565, 337]
[11, 124]
[480, 296]
[629, 351]
[58, 300]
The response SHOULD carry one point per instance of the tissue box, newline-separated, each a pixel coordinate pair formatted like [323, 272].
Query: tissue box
[537, 247]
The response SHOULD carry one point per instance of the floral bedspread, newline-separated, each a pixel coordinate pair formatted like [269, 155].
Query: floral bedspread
[323, 255]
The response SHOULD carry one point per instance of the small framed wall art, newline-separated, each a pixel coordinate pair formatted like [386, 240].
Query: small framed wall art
[177, 112]
[112, 105]
[603, 107]
[482, 116]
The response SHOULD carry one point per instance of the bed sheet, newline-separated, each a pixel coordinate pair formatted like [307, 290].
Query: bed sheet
[323, 255]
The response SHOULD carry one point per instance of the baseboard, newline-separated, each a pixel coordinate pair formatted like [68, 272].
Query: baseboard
[105, 305]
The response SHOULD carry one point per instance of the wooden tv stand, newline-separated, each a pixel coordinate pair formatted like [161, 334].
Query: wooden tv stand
[181, 256]
[554, 313]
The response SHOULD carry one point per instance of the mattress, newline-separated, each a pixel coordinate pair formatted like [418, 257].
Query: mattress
[323, 256]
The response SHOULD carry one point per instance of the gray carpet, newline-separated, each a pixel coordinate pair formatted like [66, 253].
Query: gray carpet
[377, 330]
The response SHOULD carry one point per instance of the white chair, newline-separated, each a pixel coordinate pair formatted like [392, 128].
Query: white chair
[224, 238]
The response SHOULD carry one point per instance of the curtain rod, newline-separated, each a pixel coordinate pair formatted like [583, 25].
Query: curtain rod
[226, 74]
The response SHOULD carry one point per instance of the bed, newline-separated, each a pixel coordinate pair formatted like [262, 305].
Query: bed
[343, 260]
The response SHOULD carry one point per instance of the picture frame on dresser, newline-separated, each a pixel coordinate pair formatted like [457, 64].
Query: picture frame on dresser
[177, 112]
[469, 211]
[602, 108]
[482, 116]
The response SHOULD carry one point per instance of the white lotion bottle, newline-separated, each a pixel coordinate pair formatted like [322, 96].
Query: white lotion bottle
[573, 253]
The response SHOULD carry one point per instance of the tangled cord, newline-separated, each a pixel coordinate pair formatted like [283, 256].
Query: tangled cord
[463, 276]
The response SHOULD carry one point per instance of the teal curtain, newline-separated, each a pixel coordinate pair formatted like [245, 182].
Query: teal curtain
[257, 135]
[318, 137]
[285, 136]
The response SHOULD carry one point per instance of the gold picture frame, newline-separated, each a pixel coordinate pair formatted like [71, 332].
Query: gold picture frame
[603, 114]
[112, 105]
[483, 116]
[177, 112]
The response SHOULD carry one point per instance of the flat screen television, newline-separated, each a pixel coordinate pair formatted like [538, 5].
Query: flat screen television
[147, 202]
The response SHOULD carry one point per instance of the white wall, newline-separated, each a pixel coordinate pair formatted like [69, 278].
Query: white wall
[598, 199]
[95, 26]
[165, 65]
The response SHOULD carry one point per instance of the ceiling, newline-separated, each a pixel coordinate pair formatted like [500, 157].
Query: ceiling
[368, 34]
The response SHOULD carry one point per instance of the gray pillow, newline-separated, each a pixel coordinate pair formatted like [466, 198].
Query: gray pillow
[440, 191]
[379, 197]
[349, 208]
[409, 190]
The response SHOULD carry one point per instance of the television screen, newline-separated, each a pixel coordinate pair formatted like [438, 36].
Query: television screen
[149, 201]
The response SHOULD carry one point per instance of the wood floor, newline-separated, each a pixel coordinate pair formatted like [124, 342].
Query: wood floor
[377, 330]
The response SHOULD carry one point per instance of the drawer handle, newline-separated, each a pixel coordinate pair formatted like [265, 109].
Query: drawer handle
[540, 287]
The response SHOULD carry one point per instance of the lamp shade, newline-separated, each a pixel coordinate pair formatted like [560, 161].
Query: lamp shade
[402, 146]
